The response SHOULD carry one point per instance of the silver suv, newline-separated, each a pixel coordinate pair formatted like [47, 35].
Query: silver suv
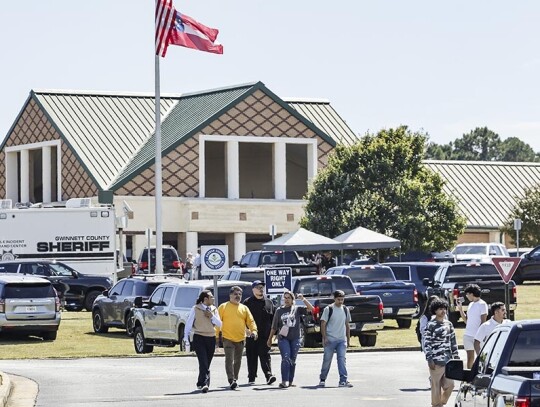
[161, 321]
[478, 251]
[29, 305]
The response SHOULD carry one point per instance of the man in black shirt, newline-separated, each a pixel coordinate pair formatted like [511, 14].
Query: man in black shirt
[262, 310]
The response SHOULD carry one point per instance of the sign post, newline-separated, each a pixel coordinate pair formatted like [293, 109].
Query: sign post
[517, 228]
[506, 266]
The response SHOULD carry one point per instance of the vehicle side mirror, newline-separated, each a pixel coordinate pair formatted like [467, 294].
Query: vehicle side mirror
[74, 274]
[235, 263]
[454, 370]
[105, 293]
[426, 282]
[138, 302]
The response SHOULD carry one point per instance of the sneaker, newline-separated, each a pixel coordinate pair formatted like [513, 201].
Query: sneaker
[283, 385]
[251, 382]
[322, 383]
[234, 385]
[271, 380]
[205, 389]
[345, 384]
[199, 387]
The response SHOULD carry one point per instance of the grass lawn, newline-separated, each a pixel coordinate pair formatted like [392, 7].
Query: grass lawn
[76, 337]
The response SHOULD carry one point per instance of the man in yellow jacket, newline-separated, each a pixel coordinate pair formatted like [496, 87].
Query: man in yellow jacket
[235, 317]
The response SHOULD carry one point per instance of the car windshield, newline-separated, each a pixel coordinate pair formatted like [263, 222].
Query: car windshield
[146, 290]
[527, 349]
[324, 287]
[470, 249]
[61, 270]
[370, 275]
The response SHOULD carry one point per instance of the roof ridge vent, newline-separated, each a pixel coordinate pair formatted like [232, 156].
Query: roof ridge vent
[79, 203]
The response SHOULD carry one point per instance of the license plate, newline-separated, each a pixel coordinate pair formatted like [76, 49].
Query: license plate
[31, 309]
[387, 310]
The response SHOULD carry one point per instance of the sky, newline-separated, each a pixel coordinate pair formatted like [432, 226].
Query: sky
[442, 67]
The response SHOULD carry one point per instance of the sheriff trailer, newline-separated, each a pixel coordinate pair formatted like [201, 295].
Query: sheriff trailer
[78, 234]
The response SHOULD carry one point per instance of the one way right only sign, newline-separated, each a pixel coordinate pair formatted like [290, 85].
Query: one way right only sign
[506, 266]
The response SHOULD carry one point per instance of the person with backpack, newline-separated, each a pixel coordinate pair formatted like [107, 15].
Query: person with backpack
[336, 337]
[287, 325]
[423, 321]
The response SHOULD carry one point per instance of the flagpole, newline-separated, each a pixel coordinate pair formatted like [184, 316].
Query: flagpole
[158, 186]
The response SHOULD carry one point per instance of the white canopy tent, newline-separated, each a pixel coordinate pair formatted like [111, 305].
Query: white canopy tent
[302, 240]
[362, 238]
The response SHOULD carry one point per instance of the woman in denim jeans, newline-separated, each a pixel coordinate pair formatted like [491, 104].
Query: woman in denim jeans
[289, 316]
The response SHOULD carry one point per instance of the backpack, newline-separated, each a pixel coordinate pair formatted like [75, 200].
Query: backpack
[331, 310]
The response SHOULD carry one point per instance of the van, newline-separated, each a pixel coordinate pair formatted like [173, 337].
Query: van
[29, 305]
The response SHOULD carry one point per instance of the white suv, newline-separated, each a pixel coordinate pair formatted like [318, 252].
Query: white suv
[29, 305]
[479, 251]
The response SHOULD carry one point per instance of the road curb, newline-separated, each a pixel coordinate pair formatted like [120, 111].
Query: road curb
[5, 388]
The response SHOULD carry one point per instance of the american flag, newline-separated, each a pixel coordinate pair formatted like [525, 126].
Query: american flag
[164, 19]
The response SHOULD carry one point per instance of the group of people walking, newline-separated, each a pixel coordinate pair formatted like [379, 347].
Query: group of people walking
[253, 325]
[439, 339]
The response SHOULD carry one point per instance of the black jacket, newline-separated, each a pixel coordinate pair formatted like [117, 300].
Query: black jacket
[263, 314]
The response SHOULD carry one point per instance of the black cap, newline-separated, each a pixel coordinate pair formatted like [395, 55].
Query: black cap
[256, 283]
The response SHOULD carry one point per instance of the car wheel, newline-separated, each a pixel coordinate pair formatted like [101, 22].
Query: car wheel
[140, 342]
[50, 335]
[89, 300]
[130, 320]
[404, 323]
[98, 323]
[367, 340]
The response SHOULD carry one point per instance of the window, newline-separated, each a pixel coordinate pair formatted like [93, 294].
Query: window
[61, 270]
[402, 272]
[9, 268]
[485, 353]
[246, 259]
[426, 272]
[167, 296]
[29, 290]
[156, 296]
[117, 289]
[249, 276]
[145, 289]
[254, 260]
[497, 351]
[366, 275]
[526, 351]
[186, 297]
[128, 288]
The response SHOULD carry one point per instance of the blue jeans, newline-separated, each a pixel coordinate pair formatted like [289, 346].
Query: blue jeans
[289, 350]
[340, 347]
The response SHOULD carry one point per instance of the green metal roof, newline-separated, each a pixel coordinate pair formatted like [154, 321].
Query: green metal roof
[323, 115]
[104, 130]
[486, 191]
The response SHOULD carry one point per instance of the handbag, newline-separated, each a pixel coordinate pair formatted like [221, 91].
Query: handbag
[284, 331]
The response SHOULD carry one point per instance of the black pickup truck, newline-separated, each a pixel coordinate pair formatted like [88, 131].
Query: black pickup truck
[400, 299]
[507, 370]
[261, 259]
[450, 280]
[366, 310]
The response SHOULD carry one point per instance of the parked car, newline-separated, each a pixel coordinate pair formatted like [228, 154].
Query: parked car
[113, 308]
[440, 257]
[450, 280]
[505, 373]
[76, 290]
[260, 259]
[415, 272]
[161, 321]
[366, 310]
[529, 267]
[478, 251]
[514, 252]
[29, 305]
[400, 299]
[172, 263]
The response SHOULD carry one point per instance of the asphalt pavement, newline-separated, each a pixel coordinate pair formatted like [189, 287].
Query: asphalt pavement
[379, 378]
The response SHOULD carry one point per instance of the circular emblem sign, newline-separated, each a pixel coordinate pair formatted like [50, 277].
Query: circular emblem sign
[214, 259]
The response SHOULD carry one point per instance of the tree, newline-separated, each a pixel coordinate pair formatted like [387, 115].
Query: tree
[436, 151]
[528, 210]
[481, 144]
[513, 149]
[381, 184]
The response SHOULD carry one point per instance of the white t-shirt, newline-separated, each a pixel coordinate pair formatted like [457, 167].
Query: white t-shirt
[474, 312]
[485, 329]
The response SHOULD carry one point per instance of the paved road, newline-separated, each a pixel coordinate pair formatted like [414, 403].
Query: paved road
[379, 378]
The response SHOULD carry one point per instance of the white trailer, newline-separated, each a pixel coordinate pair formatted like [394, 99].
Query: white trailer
[78, 234]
